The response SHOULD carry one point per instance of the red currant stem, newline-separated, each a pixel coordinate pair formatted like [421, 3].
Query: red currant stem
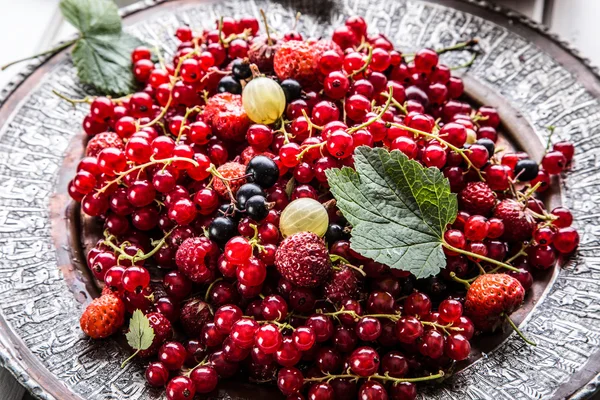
[386, 377]
[478, 117]
[254, 240]
[521, 252]
[280, 325]
[213, 170]
[335, 258]
[459, 280]
[131, 357]
[343, 101]
[479, 257]
[43, 53]
[214, 71]
[516, 329]
[310, 124]
[209, 288]
[362, 44]
[467, 64]
[286, 135]
[357, 269]
[399, 106]
[308, 148]
[444, 328]
[221, 31]
[543, 217]
[375, 118]
[74, 102]
[161, 59]
[447, 144]
[163, 111]
[458, 46]
[142, 166]
[245, 35]
[551, 128]
[200, 364]
[137, 256]
[264, 18]
[367, 62]
[255, 71]
[188, 111]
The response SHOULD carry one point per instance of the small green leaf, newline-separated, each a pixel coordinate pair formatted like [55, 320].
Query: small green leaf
[104, 62]
[92, 17]
[398, 209]
[141, 334]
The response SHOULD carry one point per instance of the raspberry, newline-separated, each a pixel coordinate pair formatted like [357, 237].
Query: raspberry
[490, 297]
[193, 257]
[230, 170]
[194, 314]
[303, 259]
[250, 152]
[163, 331]
[296, 60]
[342, 285]
[323, 45]
[518, 225]
[225, 114]
[103, 141]
[261, 53]
[477, 198]
[103, 317]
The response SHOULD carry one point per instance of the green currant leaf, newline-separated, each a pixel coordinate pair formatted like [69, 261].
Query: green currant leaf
[399, 209]
[104, 62]
[92, 17]
[141, 334]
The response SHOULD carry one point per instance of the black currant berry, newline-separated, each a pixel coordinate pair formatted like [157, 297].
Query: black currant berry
[240, 69]
[292, 89]
[334, 233]
[229, 84]
[489, 145]
[256, 208]
[222, 229]
[526, 170]
[246, 191]
[228, 210]
[263, 171]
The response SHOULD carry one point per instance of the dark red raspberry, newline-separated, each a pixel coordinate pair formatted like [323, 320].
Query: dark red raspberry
[103, 141]
[477, 198]
[518, 225]
[194, 314]
[193, 258]
[342, 285]
[230, 170]
[303, 259]
[163, 332]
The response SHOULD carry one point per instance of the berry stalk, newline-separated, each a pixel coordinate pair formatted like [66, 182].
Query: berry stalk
[385, 378]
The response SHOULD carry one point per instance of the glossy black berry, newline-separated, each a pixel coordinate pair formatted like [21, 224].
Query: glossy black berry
[246, 191]
[228, 210]
[489, 145]
[262, 171]
[334, 233]
[257, 208]
[241, 69]
[292, 89]
[229, 84]
[222, 229]
[526, 170]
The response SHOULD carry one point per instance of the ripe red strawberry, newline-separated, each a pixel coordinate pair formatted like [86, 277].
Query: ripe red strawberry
[103, 141]
[295, 60]
[230, 170]
[194, 314]
[224, 112]
[518, 225]
[341, 285]
[323, 45]
[103, 317]
[303, 259]
[477, 198]
[490, 297]
[194, 257]
[262, 53]
[163, 332]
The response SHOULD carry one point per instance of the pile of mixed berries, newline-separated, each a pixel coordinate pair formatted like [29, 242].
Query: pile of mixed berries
[219, 225]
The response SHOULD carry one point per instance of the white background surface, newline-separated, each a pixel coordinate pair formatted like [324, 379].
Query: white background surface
[31, 26]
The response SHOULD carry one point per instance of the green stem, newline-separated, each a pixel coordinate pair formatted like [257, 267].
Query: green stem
[458, 46]
[386, 378]
[455, 278]
[516, 329]
[131, 357]
[479, 257]
[467, 64]
[375, 118]
[520, 253]
[74, 102]
[308, 148]
[551, 128]
[183, 122]
[209, 288]
[43, 53]
[264, 17]
[364, 67]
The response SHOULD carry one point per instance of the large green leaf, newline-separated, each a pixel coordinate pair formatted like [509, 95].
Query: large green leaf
[92, 17]
[104, 61]
[399, 209]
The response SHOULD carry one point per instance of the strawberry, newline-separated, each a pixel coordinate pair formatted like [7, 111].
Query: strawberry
[194, 314]
[194, 257]
[261, 52]
[103, 317]
[103, 141]
[477, 199]
[230, 170]
[490, 298]
[295, 60]
[225, 114]
[303, 259]
[342, 285]
[163, 331]
[518, 225]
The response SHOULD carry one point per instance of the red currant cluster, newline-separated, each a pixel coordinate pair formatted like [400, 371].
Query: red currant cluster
[190, 190]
